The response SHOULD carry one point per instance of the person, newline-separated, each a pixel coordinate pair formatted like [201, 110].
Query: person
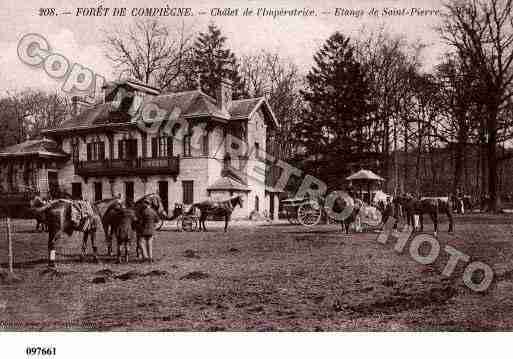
[148, 218]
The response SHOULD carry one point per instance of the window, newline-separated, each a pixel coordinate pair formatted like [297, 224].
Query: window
[127, 149]
[96, 151]
[204, 144]
[98, 191]
[188, 192]
[187, 145]
[162, 146]
[257, 150]
[75, 150]
[76, 190]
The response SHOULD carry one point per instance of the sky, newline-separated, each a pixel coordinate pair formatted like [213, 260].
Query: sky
[79, 38]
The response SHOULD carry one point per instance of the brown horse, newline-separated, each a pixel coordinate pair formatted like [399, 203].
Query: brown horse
[340, 204]
[104, 209]
[216, 208]
[63, 216]
[122, 221]
[427, 205]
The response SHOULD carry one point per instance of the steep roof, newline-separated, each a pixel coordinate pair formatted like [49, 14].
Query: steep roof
[227, 183]
[191, 104]
[365, 175]
[42, 147]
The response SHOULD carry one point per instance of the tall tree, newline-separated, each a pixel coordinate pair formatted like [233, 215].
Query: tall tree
[153, 53]
[481, 34]
[336, 126]
[213, 61]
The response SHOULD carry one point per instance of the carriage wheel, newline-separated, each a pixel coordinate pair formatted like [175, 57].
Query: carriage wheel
[309, 214]
[160, 224]
[188, 224]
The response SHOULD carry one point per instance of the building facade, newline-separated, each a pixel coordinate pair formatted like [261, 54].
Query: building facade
[185, 146]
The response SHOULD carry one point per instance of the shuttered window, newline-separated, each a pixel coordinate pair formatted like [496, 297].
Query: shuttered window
[96, 151]
[188, 192]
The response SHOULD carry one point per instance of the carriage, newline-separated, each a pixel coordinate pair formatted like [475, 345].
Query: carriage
[303, 210]
[309, 212]
[184, 222]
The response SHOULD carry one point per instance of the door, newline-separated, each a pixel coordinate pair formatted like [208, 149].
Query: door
[163, 193]
[53, 183]
[76, 190]
[129, 193]
[98, 191]
[271, 205]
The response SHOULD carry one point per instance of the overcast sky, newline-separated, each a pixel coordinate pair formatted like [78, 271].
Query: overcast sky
[80, 38]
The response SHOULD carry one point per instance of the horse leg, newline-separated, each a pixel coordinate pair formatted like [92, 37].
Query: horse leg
[434, 218]
[421, 221]
[226, 220]
[127, 249]
[149, 242]
[92, 235]
[108, 238]
[203, 219]
[52, 239]
[451, 220]
[118, 256]
[84, 246]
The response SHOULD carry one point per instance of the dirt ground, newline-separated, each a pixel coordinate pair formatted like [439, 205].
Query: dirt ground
[260, 278]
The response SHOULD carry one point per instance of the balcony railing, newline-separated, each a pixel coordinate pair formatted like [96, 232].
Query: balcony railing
[124, 167]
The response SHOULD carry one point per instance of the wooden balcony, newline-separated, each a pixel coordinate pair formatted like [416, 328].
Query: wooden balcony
[127, 167]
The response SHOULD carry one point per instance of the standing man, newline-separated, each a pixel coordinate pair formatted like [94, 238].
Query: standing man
[148, 219]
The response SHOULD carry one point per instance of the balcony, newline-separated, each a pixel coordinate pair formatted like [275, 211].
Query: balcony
[127, 167]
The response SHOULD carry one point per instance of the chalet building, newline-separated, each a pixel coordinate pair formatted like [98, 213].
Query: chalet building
[104, 151]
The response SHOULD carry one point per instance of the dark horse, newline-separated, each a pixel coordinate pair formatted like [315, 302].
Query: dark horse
[60, 218]
[106, 210]
[340, 204]
[427, 205]
[216, 208]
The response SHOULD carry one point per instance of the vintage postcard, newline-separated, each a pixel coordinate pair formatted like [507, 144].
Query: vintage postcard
[248, 166]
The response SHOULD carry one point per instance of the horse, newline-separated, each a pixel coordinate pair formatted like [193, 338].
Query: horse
[103, 208]
[426, 205]
[123, 224]
[340, 204]
[64, 216]
[154, 201]
[217, 208]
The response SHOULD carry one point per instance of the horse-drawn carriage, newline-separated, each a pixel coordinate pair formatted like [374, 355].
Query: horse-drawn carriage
[310, 211]
[184, 221]
[303, 210]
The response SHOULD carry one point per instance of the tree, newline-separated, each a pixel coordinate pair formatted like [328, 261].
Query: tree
[481, 34]
[153, 53]
[213, 62]
[267, 74]
[336, 125]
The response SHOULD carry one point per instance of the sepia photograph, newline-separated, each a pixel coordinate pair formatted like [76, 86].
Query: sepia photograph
[256, 166]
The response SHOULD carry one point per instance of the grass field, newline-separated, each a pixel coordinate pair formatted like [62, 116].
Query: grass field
[263, 278]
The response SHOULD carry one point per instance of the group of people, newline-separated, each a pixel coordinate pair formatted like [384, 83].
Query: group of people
[126, 222]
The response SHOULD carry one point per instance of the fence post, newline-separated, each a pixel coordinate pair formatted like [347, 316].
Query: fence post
[9, 240]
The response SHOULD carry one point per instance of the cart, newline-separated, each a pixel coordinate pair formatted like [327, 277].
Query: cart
[184, 222]
[302, 210]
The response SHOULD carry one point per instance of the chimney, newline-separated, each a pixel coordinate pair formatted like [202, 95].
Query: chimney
[78, 105]
[224, 94]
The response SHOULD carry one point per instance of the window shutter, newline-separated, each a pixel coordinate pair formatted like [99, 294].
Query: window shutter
[154, 147]
[120, 150]
[170, 146]
[205, 144]
[102, 151]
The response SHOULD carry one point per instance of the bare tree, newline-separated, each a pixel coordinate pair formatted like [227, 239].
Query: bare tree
[152, 52]
[481, 34]
[267, 74]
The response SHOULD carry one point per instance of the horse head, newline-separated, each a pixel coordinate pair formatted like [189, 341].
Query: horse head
[237, 201]
[154, 201]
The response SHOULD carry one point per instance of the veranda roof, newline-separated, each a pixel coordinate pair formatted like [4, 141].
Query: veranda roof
[41, 148]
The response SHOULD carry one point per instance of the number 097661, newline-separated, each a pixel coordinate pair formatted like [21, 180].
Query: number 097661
[40, 351]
